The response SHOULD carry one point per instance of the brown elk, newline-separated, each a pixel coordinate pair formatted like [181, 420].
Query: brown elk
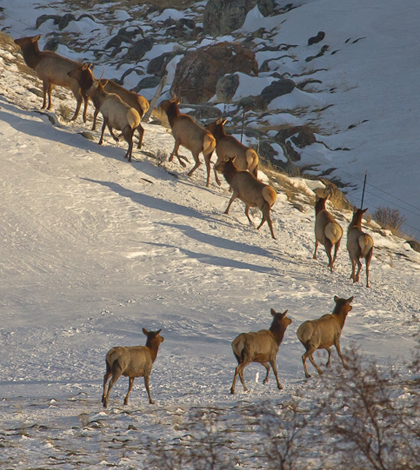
[249, 190]
[190, 135]
[53, 69]
[116, 114]
[323, 333]
[261, 346]
[131, 362]
[359, 245]
[327, 231]
[85, 78]
[229, 146]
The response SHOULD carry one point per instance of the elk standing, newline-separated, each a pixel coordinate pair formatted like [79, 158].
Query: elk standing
[190, 135]
[52, 69]
[131, 362]
[324, 333]
[327, 231]
[229, 146]
[261, 346]
[248, 189]
[359, 245]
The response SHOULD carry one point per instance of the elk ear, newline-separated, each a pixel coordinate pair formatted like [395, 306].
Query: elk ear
[86, 66]
[365, 210]
[273, 312]
[350, 300]
[284, 313]
[335, 298]
[145, 332]
[158, 331]
[223, 122]
[36, 38]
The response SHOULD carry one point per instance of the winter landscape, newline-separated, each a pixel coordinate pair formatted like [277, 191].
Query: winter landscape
[95, 248]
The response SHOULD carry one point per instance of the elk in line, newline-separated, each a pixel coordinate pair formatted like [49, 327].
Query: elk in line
[323, 333]
[53, 69]
[359, 245]
[190, 135]
[116, 114]
[249, 190]
[261, 346]
[84, 76]
[229, 146]
[131, 362]
[328, 231]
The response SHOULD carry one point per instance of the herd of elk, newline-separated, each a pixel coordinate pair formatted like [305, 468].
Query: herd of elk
[122, 110]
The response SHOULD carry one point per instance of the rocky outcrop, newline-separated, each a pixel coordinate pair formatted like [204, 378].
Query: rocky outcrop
[198, 72]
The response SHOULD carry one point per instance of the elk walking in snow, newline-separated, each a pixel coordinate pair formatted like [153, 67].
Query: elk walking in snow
[359, 245]
[52, 69]
[116, 114]
[324, 332]
[190, 135]
[229, 146]
[84, 76]
[261, 346]
[249, 190]
[328, 231]
[131, 362]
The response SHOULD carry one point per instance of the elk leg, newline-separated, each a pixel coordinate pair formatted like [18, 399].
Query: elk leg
[197, 164]
[78, 105]
[338, 348]
[107, 375]
[95, 115]
[234, 196]
[329, 357]
[328, 247]
[337, 246]
[146, 384]
[273, 365]
[267, 367]
[247, 214]
[316, 249]
[116, 373]
[130, 387]
[102, 132]
[140, 131]
[367, 261]
[207, 159]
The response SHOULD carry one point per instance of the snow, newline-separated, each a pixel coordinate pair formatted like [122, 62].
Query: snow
[94, 249]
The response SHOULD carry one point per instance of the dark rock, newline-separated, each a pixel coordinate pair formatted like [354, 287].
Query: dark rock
[278, 88]
[206, 113]
[198, 72]
[226, 88]
[224, 16]
[157, 66]
[137, 50]
[414, 245]
[147, 82]
[124, 35]
[315, 39]
[266, 151]
[302, 136]
[254, 103]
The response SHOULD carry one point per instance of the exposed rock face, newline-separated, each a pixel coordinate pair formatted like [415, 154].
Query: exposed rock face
[226, 88]
[224, 16]
[278, 88]
[198, 72]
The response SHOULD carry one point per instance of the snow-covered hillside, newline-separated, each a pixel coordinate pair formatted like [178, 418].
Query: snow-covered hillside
[94, 249]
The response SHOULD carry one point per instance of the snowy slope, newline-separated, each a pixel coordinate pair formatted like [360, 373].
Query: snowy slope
[94, 249]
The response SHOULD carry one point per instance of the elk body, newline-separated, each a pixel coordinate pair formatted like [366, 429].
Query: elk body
[249, 190]
[53, 69]
[116, 114]
[327, 231]
[359, 245]
[190, 135]
[261, 346]
[131, 362]
[229, 146]
[323, 333]
[84, 76]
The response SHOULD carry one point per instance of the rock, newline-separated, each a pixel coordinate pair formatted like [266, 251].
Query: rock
[147, 82]
[414, 245]
[315, 39]
[304, 136]
[226, 88]
[157, 66]
[278, 88]
[224, 16]
[136, 51]
[336, 196]
[124, 35]
[198, 72]
[254, 103]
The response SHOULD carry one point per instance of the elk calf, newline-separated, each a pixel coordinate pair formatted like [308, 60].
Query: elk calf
[53, 69]
[324, 333]
[131, 362]
[84, 76]
[116, 114]
[359, 245]
[229, 146]
[261, 346]
[190, 135]
[249, 190]
[327, 231]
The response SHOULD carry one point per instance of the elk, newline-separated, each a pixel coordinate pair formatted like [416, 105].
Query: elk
[249, 190]
[83, 74]
[359, 245]
[328, 231]
[229, 146]
[53, 69]
[116, 114]
[323, 333]
[131, 362]
[190, 135]
[261, 346]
